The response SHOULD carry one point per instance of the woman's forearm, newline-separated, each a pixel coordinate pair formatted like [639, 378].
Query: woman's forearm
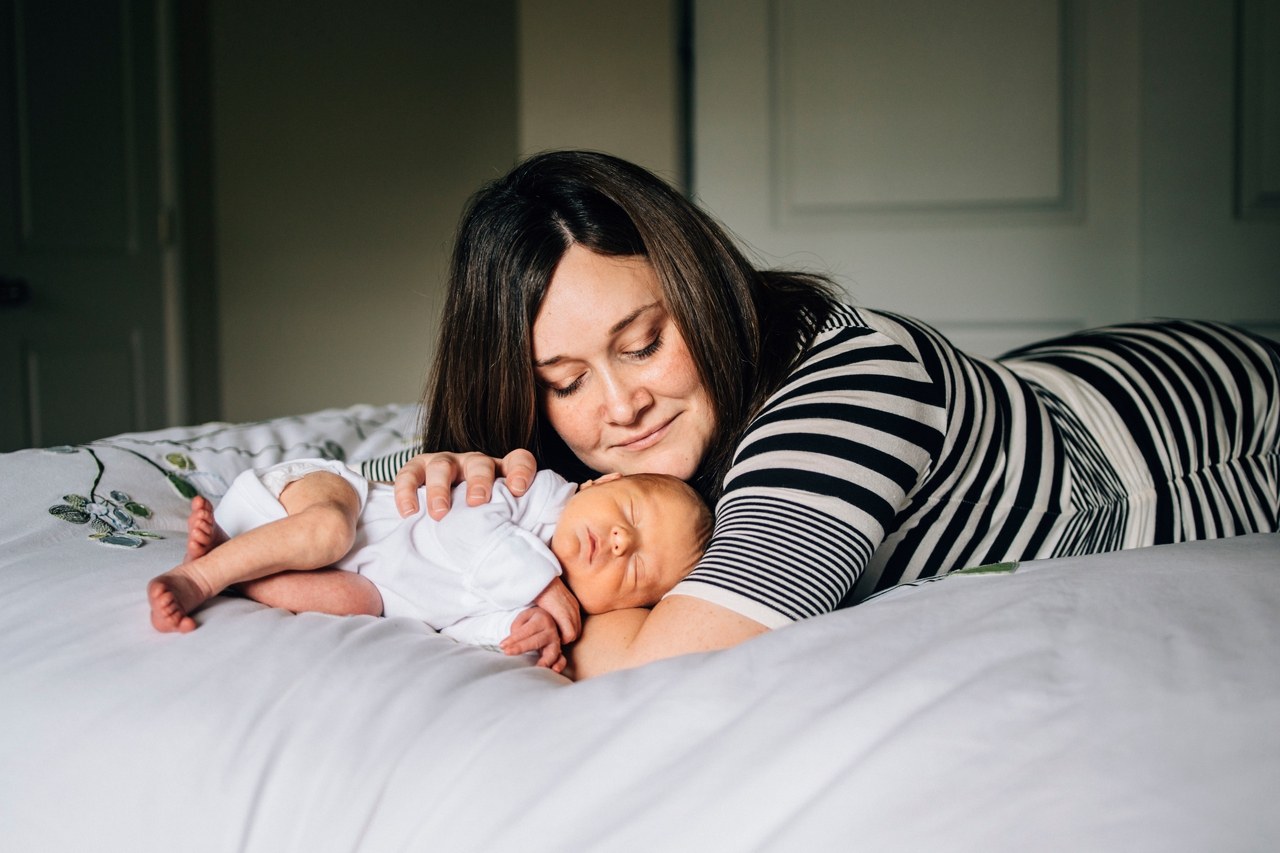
[678, 625]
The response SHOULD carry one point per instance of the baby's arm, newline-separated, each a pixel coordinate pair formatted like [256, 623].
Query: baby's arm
[514, 632]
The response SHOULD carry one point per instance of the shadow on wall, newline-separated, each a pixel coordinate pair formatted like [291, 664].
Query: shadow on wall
[346, 142]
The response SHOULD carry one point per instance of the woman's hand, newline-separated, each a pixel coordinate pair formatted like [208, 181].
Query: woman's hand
[440, 472]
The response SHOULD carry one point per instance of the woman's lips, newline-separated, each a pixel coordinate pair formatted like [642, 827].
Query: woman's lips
[649, 439]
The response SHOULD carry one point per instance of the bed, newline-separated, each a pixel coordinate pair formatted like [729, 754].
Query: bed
[1127, 701]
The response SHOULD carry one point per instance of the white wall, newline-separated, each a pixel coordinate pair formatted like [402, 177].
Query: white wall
[346, 140]
[602, 76]
[1008, 170]
[1200, 257]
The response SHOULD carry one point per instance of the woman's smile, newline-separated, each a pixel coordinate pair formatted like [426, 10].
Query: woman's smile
[648, 439]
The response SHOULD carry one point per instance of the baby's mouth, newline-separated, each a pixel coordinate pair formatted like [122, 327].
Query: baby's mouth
[593, 546]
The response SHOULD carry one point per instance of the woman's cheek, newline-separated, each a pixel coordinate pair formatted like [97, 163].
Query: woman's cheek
[574, 423]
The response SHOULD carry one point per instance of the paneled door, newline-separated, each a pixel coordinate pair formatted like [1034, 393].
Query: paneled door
[973, 164]
[81, 326]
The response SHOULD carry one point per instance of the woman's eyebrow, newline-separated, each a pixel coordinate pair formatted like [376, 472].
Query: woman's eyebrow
[630, 318]
[617, 327]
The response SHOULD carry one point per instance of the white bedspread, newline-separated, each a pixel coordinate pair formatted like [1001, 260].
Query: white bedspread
[1124, 702]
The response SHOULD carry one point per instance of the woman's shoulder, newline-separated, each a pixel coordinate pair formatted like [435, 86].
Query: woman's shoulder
[845, 316]
[866, 328]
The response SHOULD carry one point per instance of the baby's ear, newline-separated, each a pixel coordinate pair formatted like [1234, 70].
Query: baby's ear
[607, 478]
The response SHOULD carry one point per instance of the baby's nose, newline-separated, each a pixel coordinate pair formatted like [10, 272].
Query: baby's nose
[622, 541]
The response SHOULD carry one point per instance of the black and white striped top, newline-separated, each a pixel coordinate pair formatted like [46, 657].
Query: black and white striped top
[888, 455]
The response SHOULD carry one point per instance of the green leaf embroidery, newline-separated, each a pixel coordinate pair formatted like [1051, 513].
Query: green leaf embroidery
[75, 515]
[184, 488]
[77, 501]
[181, 461]
[145, 534]
[101, 526]
[137, 509]
[122, 540]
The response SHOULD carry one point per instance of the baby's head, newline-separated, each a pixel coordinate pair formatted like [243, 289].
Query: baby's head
[626, 541]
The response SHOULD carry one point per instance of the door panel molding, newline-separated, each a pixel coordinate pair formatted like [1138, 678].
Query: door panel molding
[846, 154]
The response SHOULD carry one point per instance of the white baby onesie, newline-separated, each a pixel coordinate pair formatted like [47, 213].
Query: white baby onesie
[467, 576]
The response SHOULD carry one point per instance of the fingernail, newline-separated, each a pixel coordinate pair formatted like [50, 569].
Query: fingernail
[476, 492]
[519, 483]
[439, 505]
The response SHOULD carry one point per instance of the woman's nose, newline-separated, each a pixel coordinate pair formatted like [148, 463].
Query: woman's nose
[622, 541]
[624, 404]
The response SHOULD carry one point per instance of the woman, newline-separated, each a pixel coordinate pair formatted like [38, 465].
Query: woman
[597, 321]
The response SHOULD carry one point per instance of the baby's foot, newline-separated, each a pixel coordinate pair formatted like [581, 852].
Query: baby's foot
[203, 533]
[173, 596]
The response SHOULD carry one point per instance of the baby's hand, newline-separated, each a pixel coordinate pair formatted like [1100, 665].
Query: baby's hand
[535, 629]
[558, 601]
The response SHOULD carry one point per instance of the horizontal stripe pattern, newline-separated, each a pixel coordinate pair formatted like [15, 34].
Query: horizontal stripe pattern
[889, 456]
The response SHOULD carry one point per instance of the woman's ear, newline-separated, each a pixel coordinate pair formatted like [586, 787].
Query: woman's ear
[607, 478]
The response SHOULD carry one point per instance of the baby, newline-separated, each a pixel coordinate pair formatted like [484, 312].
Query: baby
[478, 575]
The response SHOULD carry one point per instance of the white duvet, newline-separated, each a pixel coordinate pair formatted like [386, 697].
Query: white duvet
[1123, 702]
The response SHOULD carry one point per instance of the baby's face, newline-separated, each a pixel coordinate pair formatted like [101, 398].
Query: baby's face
[626, 542]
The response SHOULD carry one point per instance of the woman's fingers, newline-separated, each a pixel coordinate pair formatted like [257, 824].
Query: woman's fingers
[519, 467]
[439, 475]
[440, 472]
[412, 475]
[479, 471]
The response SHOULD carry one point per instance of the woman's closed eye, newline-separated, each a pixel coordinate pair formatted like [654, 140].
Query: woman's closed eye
[567, 390]
[637, 355]
[653, 347]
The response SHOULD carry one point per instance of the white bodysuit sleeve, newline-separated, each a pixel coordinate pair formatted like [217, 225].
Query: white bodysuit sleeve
[503, 561]
[488, 630]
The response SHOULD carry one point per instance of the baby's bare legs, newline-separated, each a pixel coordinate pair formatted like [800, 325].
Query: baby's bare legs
[335, 591]
[319, 530]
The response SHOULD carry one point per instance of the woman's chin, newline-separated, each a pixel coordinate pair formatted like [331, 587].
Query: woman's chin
[657, 462]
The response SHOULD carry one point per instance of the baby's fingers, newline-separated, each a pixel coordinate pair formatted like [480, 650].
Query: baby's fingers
[518, 646]
[550, 654]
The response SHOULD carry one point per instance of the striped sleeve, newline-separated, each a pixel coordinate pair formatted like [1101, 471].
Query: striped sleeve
[820, 475]
[384, 468]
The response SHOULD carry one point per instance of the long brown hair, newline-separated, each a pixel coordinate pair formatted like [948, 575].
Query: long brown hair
[744, 328]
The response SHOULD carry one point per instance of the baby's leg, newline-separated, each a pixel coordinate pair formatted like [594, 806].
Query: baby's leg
[334, 591]
[318, 531]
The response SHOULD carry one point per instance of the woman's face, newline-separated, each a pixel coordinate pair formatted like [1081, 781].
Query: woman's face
[616, 378]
